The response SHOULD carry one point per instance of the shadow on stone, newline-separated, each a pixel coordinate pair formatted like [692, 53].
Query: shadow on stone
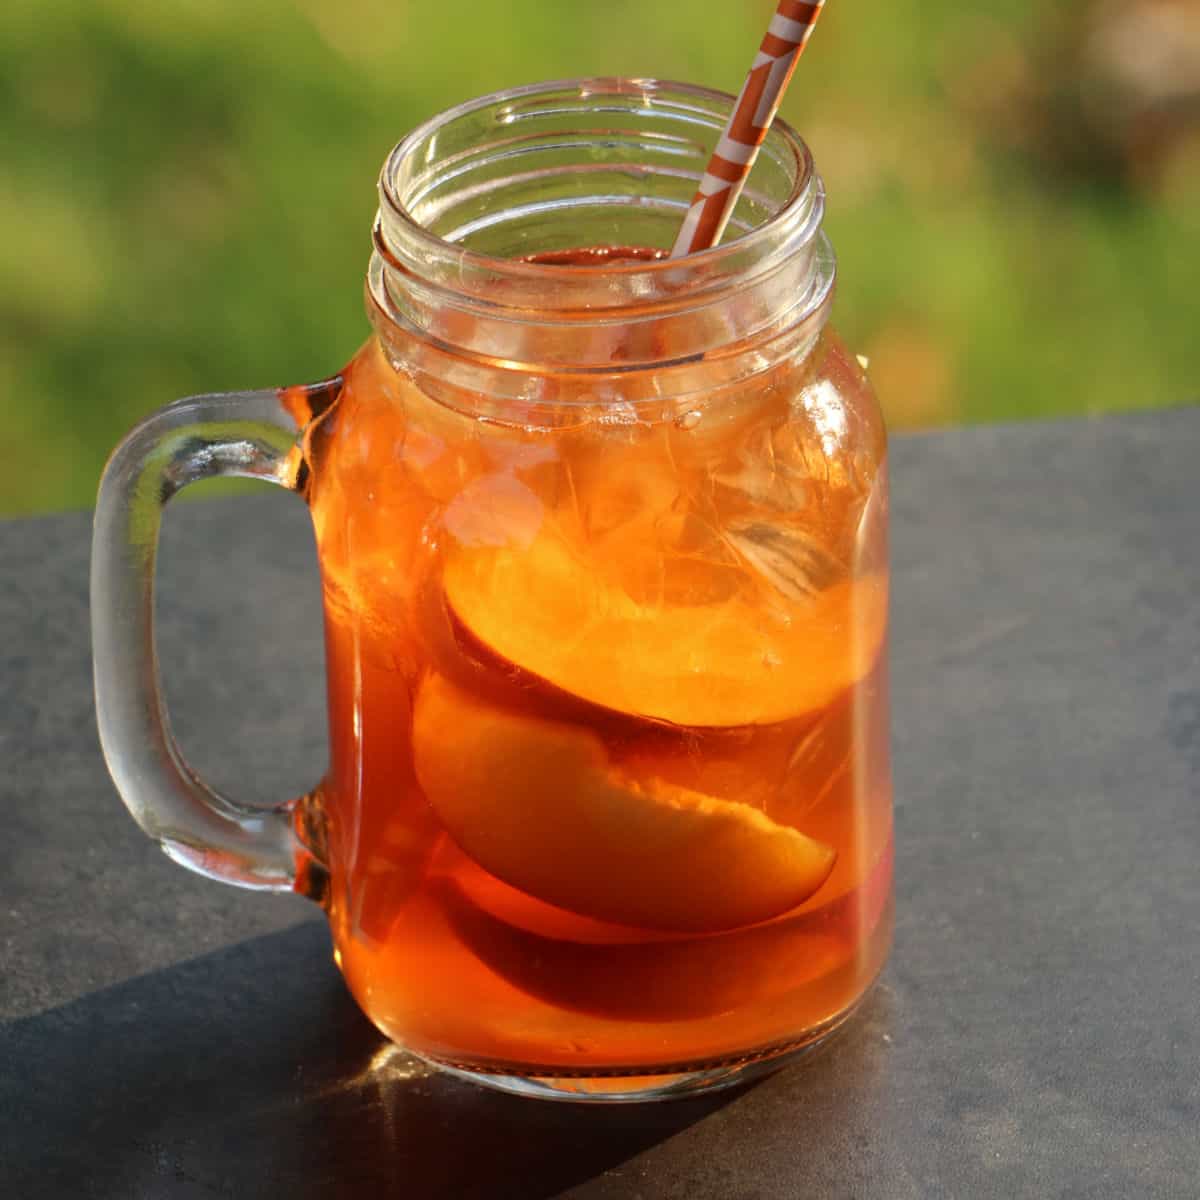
[250, 1072]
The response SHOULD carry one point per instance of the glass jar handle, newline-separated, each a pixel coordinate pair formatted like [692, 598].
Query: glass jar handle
[248, 434]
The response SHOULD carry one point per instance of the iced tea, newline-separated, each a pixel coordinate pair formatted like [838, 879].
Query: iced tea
[609, 779]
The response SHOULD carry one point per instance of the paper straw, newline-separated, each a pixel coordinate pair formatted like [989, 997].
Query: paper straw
[725, 176]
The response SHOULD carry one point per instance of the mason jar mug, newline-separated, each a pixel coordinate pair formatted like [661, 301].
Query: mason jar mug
[603, 544]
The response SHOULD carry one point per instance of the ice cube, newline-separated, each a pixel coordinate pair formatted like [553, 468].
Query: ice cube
[787, 557]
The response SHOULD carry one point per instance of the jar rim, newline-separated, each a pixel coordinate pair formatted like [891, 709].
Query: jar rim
[762, 237]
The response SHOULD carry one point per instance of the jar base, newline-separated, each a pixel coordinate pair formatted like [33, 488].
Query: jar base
[617, 1085]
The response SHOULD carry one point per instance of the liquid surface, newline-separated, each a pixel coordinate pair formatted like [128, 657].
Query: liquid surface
[597, 256]
[609, 787]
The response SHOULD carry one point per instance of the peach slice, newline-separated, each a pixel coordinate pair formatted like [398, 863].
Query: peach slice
[538, 804]
[724, 664]
[677, 979]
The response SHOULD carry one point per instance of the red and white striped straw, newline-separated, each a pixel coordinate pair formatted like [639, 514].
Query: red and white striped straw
[727, 170]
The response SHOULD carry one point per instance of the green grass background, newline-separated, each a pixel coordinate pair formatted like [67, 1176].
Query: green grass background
[187, 188]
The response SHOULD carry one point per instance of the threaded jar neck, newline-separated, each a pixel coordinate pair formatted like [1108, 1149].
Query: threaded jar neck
[469, 196]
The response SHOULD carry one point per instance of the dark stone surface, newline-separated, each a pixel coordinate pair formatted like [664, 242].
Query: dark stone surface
[1037, 1032]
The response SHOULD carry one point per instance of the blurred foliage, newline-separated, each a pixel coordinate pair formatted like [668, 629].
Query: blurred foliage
[188, 185]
